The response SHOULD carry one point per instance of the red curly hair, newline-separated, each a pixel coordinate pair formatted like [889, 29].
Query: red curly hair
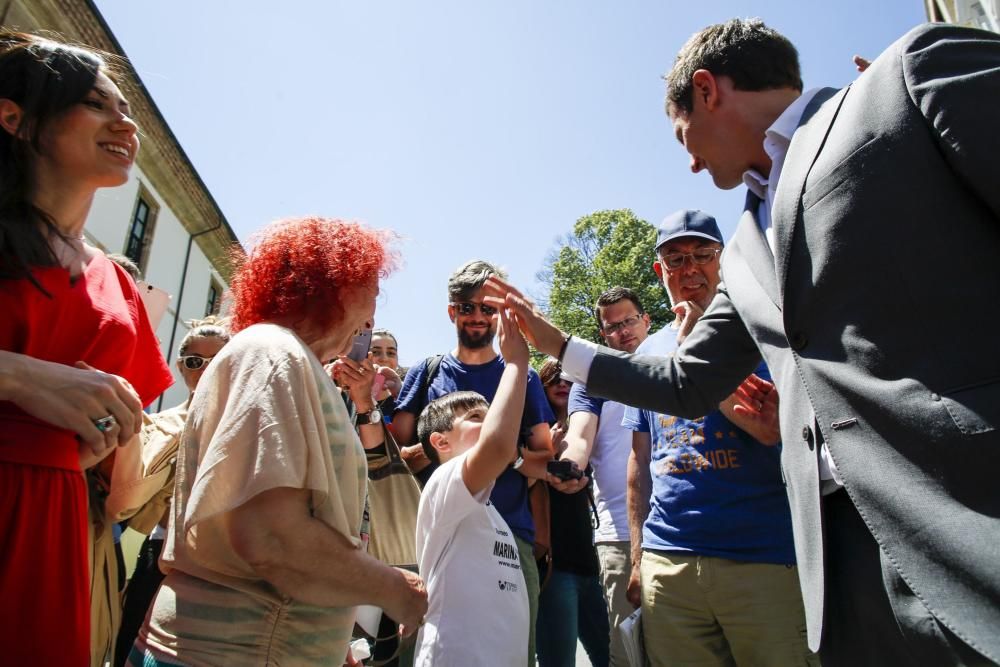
[299, 268]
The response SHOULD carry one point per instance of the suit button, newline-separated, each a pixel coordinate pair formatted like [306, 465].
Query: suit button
[805, 433]
[798, 341]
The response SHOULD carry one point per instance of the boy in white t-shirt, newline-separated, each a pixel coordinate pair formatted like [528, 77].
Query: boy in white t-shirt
[477, 604]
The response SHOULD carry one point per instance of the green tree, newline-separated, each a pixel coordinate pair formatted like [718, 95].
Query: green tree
[604, 250]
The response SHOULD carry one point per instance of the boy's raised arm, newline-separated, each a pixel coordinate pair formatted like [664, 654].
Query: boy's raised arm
[498, 437]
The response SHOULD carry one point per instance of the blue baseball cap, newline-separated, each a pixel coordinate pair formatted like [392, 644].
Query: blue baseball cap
[688, 223]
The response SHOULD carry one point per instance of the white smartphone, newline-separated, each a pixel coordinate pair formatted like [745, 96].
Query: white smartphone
[155, 300]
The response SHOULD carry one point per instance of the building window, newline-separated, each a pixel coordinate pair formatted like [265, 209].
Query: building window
[214, 294]
[140, 233]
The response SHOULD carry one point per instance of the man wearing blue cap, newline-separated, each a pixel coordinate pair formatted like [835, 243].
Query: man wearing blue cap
[713, 562]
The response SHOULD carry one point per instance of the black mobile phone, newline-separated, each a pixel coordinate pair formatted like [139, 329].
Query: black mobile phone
[564, 469]
[363, 341]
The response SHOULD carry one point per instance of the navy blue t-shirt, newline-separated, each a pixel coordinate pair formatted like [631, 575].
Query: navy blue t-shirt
[716, 490]
[510, 493]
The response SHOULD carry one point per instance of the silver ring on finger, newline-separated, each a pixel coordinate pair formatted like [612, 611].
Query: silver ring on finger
[105, 424]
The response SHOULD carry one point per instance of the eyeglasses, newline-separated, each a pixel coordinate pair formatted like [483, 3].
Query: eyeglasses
[675, 260]
[466, 308]
[193, 362]
[618, 327]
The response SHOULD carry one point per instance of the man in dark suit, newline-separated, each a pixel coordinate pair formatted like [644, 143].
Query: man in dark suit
[888, 211]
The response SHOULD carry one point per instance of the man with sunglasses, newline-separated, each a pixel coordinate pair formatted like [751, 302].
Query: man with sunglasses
[713, 562]
[473, 365]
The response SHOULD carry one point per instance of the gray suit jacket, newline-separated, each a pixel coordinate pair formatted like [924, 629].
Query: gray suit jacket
[877, 321]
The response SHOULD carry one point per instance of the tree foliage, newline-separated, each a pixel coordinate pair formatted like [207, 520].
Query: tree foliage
[604, 250]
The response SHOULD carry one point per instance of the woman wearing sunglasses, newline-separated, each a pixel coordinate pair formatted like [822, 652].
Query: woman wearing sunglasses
[78, 358]
[159, 440]
[268, 526]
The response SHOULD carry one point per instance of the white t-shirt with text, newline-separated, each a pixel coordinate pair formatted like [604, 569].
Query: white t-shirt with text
[477, 603]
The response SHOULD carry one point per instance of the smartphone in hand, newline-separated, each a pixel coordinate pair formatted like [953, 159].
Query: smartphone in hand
[564, 469]
[362, 342]
[155, 300]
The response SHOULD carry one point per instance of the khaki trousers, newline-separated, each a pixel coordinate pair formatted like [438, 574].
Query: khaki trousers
[700, 610]
[616, 567]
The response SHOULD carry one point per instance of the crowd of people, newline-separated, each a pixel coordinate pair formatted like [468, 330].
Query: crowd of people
[795, 471]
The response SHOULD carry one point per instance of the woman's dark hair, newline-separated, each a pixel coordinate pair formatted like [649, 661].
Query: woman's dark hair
[44, 78]
[550, 372]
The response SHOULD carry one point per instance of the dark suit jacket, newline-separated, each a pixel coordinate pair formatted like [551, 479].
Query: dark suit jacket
[877, 320]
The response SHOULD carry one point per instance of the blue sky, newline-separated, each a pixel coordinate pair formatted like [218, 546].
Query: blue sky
[473, 129]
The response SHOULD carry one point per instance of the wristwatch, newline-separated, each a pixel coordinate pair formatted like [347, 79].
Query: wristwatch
[373, 416]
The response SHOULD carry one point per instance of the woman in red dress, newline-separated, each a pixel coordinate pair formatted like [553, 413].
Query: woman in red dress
[78, 358]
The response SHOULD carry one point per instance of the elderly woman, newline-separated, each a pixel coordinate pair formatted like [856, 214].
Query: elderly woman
[265, 554]
[78, 358]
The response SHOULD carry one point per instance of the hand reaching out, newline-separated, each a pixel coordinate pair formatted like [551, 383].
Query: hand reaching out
[542, 334]
[512, 344]
[756, 402]
[410, 606]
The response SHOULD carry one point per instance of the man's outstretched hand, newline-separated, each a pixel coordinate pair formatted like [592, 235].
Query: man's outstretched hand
[755, 404]
[542, 334]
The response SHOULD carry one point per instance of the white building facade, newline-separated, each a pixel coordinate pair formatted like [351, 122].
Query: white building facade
[164, 218]
[982, 14]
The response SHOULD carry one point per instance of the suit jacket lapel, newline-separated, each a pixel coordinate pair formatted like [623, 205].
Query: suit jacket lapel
[806, 144]
[752, 245]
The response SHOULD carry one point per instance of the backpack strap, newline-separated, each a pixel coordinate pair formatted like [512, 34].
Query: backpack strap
[433, 366]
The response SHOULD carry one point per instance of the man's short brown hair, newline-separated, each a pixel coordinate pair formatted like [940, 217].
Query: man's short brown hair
[613, 296]
[754, 56]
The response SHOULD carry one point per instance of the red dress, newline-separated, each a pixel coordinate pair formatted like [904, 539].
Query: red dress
[44, 568]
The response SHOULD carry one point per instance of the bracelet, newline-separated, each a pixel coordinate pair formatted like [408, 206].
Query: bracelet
[562, 350]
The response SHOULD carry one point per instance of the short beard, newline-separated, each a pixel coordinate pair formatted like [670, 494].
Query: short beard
[472, 342]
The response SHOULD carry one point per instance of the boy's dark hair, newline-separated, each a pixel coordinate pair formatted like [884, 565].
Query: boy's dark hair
[439, 417]
[754, 56]
[613, 296]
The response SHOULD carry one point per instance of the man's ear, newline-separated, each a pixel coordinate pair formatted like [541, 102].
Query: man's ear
[705, 89]
[451, 312]
[10, 116]
[439, 442]
[658, 269]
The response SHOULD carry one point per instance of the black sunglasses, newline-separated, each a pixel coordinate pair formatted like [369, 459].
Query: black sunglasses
[466, 308]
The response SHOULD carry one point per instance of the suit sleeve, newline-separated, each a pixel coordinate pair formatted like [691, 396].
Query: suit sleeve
[953, 76]
[708, 366]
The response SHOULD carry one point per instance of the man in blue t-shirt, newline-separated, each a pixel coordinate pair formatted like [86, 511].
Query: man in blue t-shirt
[712, 553]
[474, 366]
